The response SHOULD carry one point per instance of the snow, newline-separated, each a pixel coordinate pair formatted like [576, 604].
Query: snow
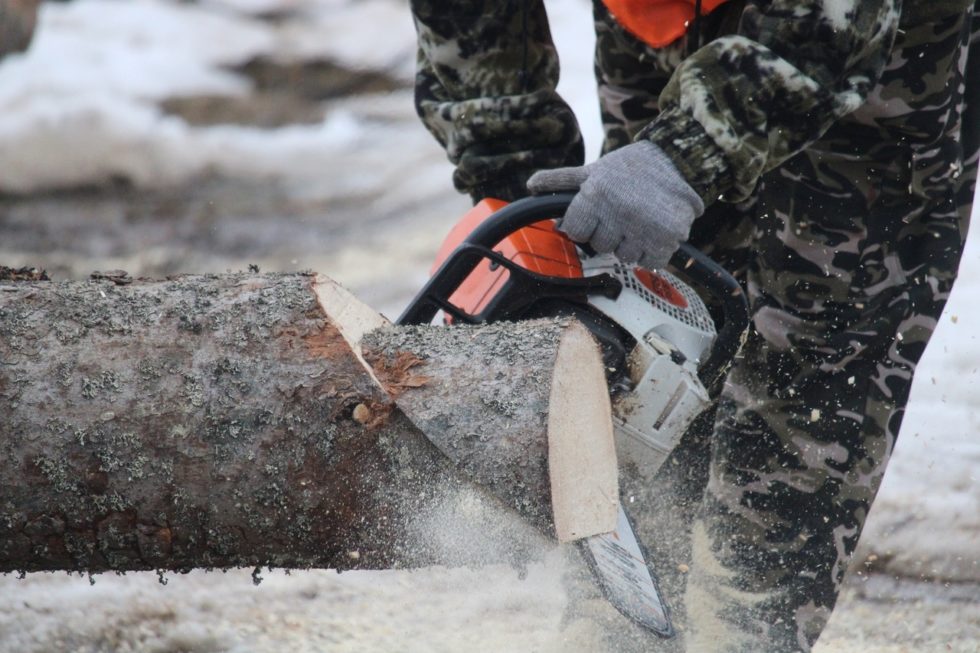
[328, 32]
[308, 611]
[97, 69]
[90, 80]
[144, 49]
[926, 519]
[82, 108]
[571, 26]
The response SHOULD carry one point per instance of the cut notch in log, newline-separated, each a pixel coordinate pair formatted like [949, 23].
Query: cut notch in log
[352, 317]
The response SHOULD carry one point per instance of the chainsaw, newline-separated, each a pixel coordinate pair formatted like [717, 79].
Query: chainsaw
[665, 349]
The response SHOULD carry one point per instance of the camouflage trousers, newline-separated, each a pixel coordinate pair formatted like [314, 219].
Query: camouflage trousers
[848, 253]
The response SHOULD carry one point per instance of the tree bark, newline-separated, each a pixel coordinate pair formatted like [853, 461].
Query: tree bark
[231, 420]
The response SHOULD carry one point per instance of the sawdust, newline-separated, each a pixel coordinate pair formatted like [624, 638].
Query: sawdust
[705, 600]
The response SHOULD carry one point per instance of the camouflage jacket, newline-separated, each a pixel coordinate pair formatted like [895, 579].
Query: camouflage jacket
[733, 109]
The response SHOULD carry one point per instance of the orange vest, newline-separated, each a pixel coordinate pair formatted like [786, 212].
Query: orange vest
[657, 22]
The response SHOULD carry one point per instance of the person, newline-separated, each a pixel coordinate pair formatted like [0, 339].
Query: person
[825, 152]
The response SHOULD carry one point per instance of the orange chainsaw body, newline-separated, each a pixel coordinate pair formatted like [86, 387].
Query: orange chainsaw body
[539, 248]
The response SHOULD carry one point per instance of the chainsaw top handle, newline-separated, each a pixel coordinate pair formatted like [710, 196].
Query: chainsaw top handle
[689, 261]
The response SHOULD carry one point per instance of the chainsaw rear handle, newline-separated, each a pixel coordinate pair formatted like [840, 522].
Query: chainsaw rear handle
[690, 261]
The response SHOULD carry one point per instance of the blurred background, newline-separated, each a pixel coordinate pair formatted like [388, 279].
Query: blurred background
[166, 136]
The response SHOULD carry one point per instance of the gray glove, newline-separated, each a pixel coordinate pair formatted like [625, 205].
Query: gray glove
[632, 202]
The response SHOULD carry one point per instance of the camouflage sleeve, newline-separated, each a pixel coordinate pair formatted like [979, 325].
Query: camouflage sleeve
[485, 88]
[744, 103]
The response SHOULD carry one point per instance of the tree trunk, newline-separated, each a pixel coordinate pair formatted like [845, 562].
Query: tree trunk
[221, 421]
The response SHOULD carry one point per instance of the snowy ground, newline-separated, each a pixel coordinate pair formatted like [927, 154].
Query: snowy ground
[161, 136]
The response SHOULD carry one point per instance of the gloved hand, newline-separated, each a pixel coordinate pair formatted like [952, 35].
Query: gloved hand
[632, 202]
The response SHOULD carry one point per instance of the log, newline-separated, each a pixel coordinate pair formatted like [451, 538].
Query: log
[232, 420]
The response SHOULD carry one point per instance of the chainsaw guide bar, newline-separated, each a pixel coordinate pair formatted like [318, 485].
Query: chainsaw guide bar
[624, 575]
